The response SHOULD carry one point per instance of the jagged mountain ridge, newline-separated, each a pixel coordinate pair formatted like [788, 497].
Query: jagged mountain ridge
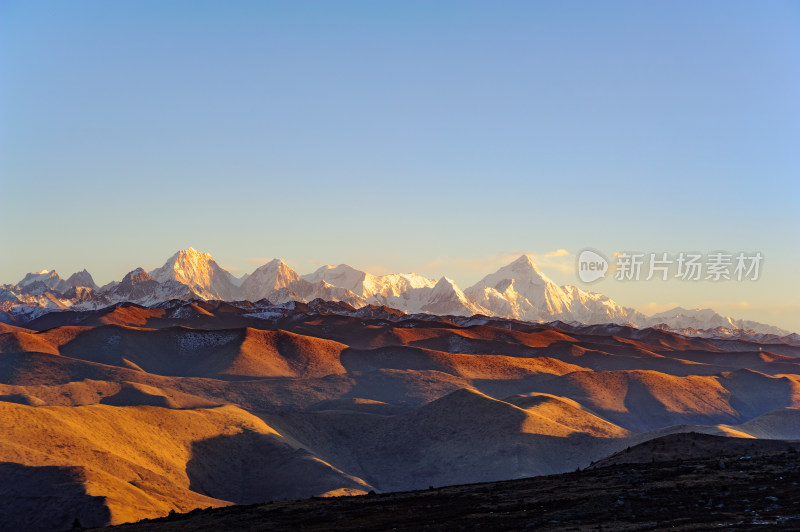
[366, 285]
[518, 290]
[51, 280]
[200, 272]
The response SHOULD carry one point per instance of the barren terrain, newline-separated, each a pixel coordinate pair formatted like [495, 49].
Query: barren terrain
[128, 413]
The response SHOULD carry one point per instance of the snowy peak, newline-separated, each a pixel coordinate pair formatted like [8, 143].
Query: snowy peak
[199, 272]
[518, 290]
[82, 278]
[447, 298]
[680, 319]
[50, 280]
[524, 262]
[376, 288]
[341, 275]
[267, 279]
[187, 266]
[396, 283]
[520, 278]
[139, 287]
[445, 287]
[136, 276]
[522, 269]
[680, 311]
[48, 277]
[302, 290]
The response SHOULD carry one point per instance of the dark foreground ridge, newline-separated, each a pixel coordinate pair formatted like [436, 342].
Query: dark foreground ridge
[714, 486]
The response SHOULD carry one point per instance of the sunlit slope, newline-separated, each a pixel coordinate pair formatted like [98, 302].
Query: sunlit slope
[134, 413]
[147, 461]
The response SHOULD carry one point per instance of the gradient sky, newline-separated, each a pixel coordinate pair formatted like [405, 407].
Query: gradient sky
[439, 137]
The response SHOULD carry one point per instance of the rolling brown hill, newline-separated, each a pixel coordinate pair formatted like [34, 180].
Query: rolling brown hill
[684, 482]
[129, 413]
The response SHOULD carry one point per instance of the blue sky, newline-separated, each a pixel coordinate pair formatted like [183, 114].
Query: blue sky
[441, 137]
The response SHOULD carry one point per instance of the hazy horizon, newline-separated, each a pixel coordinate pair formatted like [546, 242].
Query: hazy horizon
[559, 265]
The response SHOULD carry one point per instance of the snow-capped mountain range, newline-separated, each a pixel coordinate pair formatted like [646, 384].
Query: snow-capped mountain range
[517, 291]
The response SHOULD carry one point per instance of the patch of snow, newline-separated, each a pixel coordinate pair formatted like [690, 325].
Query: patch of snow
[195, 340]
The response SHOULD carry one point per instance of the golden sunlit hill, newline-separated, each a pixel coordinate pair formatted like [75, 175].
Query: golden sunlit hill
[129, 413]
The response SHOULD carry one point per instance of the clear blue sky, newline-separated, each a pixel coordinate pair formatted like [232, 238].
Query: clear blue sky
[431, 136]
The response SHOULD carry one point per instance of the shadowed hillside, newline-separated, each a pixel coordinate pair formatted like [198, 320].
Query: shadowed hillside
[685, 482]
[141, 412]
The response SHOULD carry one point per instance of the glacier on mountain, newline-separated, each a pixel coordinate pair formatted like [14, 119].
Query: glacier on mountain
[519, 290]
